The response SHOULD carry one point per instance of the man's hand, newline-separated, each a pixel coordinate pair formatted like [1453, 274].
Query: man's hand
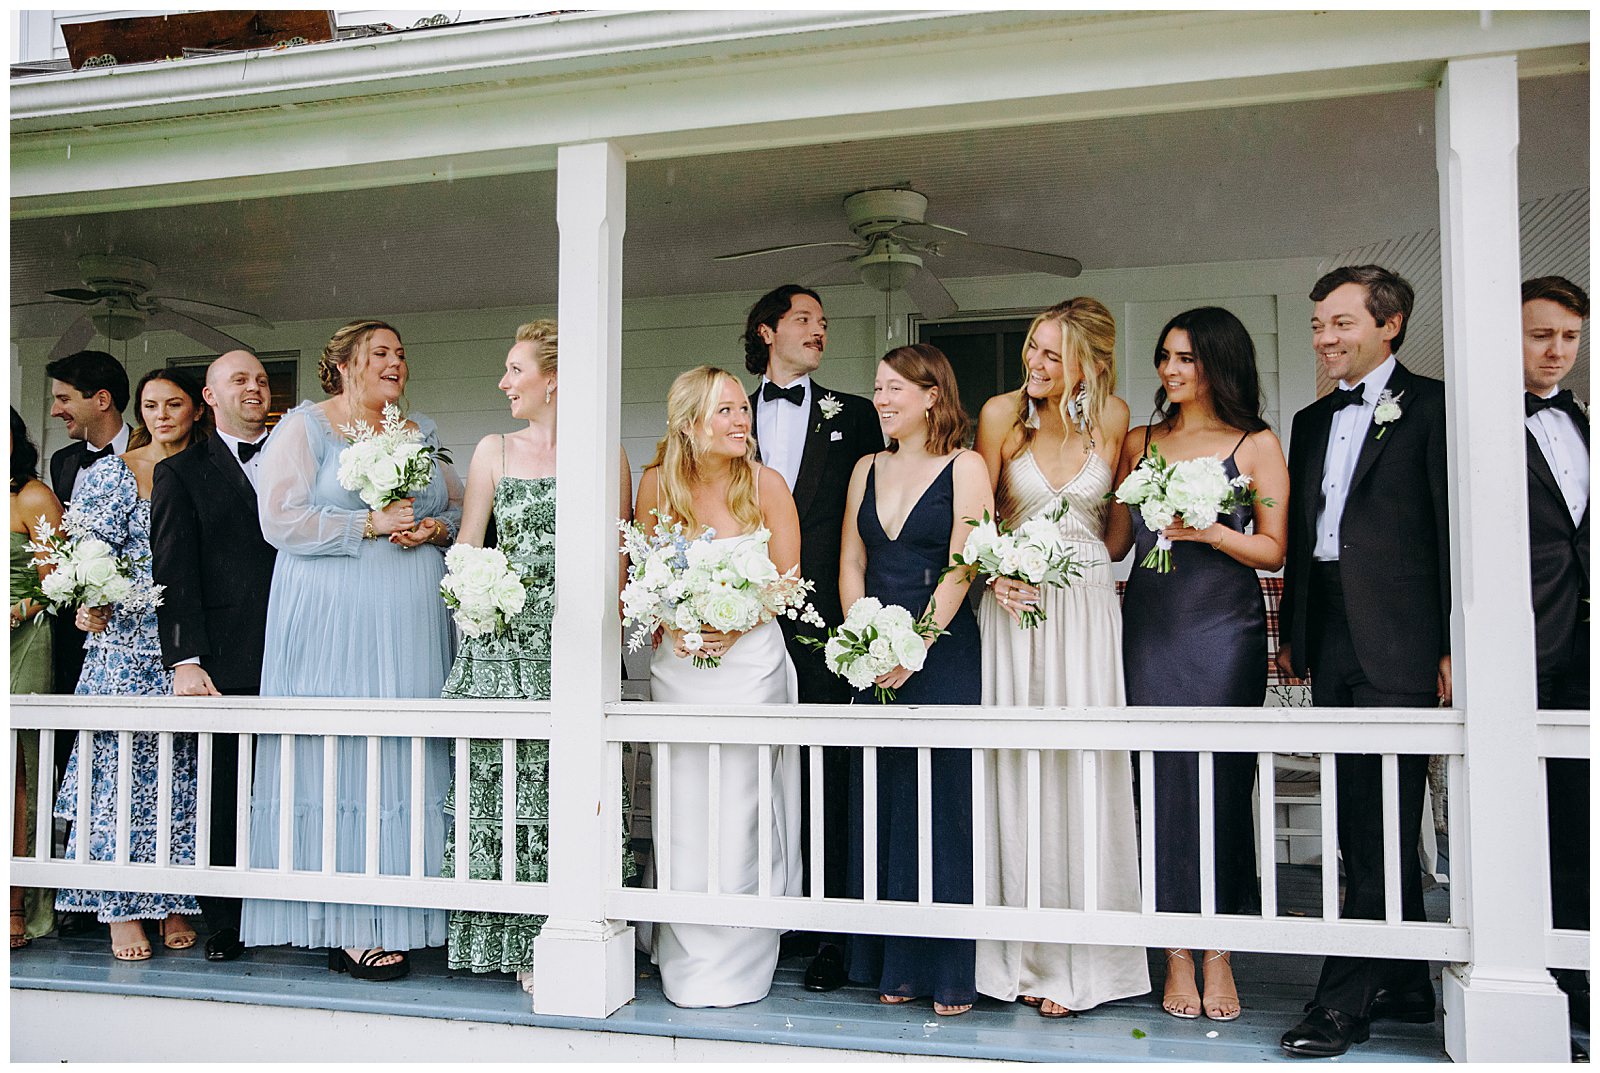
[1446, 690]
[1286, 665]
[191, 680]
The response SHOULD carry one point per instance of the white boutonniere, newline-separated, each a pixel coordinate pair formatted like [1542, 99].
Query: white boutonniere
[1387, 411]
[830, 407]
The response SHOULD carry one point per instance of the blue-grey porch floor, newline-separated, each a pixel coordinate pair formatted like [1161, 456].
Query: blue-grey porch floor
[1273, 987]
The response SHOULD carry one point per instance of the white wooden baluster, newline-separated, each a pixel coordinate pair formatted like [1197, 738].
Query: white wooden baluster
[203, 750]
[1035, 843]
[328, 829]
[925, 810]
[1208, 833]
[714, 819]
[818, 836]
[1266, 833]
[1328, 790]
[418, 806]
[287, 754]
[980, 827]
[1391, 839]
[661, 812]
[1455, 815]
[1147, 832]
[1089, 762]
[241, 802]
[508, 810]
[124, 793]
[374, 785]
[764, 822]
[16, 783]
[44, 812]
[85, 779]
[617, 824]
[164, 801]
[869, 823]
[463, 802]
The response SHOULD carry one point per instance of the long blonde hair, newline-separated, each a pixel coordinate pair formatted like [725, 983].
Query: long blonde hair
[1088, 334]
[681, 457]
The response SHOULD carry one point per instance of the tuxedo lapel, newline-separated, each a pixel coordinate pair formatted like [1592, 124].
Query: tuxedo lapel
[813, 458]
[1541, 469]
[1319, 422]
[1378, 436]
[755, 401]
[228, 465]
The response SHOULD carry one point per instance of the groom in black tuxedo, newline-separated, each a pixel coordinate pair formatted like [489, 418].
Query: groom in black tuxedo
[812, 437]
[1553, 312]
[1366, 611]
[207, 549]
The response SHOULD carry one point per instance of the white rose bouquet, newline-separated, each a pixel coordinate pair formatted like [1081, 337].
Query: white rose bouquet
[1035, 552]
[388, 464]
[1196, 490]
[694, 585]
[873, 640]
[482, 589]
[87, 573]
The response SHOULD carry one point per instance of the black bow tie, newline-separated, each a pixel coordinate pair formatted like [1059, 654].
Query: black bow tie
[1562, 400]
[1343, 398]
[91, 456]
[247, 451]
[795, 393]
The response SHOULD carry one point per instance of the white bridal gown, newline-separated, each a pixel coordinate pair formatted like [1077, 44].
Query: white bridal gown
[719, 965]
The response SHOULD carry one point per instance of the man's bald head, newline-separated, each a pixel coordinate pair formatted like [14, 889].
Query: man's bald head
[238, 394]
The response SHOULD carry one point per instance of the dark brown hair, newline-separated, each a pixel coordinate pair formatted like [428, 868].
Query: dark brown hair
[927, 367]
[1558, 289]
[1388, 294]
[184, 383]
[768, 310]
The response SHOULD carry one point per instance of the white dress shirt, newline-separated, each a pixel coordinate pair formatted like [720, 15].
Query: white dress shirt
[251, 467]
[119, 446]
[1345, 437]
[1558, 437]
[781, 430]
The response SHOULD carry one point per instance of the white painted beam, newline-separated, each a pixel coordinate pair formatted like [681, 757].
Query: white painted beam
[1503, 1004]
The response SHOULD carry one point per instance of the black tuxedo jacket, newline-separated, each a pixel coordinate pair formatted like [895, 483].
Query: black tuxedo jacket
[1560, 572]
[206, 548]
[822, 486]
[64, 467]
[1394, 539]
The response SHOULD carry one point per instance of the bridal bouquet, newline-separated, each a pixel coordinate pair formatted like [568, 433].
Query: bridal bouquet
[695, 585]
[87, 572]
[1197, 490]
[874, 639]
[482, 589]
[1035, 552]
[388, 464]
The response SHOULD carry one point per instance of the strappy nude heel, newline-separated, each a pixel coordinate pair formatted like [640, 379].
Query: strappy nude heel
[1176, 1002]
[1218, 997]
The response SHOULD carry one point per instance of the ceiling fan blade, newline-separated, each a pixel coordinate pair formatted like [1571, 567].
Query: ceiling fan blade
[781, 249]
[926, 231]
[57, 302]
[76, 294]
[244, 315]
[932, 300]
[198, 330]
[78, 333]
[1015, 257]
[832, 271]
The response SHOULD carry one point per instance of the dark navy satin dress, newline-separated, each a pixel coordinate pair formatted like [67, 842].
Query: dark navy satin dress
[1198, 636]
[905, 571]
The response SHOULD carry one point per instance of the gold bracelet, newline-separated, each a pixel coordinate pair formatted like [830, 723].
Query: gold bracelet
[1223, 532]
[369, 533]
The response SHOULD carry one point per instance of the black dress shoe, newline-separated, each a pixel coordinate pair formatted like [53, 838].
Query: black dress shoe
[826, 971]
[1579, 1054]
[75, 925]
[1412, 1007]
[224, 945]
[1574, 983]
[1324, 1033]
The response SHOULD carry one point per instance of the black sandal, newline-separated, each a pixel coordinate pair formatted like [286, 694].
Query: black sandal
[366, 967]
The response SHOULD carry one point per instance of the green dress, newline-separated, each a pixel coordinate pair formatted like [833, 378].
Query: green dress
[31, 672]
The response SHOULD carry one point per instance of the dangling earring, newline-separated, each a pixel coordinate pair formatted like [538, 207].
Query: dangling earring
[550, 389]
[1077, 407]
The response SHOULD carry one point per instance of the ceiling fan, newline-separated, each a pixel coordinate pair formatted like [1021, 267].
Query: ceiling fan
[894, 241]
[116, 291]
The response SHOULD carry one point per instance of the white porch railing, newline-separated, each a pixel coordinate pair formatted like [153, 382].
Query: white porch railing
[1565, 735]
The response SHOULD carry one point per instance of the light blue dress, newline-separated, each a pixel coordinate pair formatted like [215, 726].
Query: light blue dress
[347, 617]
[125, 660]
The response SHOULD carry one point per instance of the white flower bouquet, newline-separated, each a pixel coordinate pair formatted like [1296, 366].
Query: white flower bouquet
[695, 585]
[390, 463]
[873, 640]
[482, 589]
[87, 573]
[1197, 490]
[1035, 552]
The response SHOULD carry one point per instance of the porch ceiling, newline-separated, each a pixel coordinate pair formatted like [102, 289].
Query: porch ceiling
[1312, 178]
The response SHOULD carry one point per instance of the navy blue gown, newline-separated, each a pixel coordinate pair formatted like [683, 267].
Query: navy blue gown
[1198, 636]
[905, 571]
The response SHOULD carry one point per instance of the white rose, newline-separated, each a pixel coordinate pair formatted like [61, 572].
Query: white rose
[910, 651]
[1043, 533]
[1157, 516]
[98, 573]
[1032, 563]
[703, 553]
[1136, 487]
[881, 652]
[983, 537]
[510, 596]
[727, 611]
[685, 618]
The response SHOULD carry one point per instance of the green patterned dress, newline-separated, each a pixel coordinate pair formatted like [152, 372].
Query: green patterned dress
[31, 672]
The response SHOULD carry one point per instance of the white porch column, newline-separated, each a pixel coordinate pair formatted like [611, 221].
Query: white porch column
[1503, 1005]
[583, 963]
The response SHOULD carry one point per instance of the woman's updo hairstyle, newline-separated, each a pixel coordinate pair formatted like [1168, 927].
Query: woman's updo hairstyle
[342, 349]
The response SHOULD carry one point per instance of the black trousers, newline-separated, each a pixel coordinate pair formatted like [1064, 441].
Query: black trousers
[818, 685]
[220, 912]
[1348, 984]
[1567, 785]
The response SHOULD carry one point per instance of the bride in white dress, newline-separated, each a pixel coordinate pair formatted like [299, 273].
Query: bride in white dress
[705, 476]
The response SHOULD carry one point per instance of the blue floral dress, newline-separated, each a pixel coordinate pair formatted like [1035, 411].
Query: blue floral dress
[125, 660]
